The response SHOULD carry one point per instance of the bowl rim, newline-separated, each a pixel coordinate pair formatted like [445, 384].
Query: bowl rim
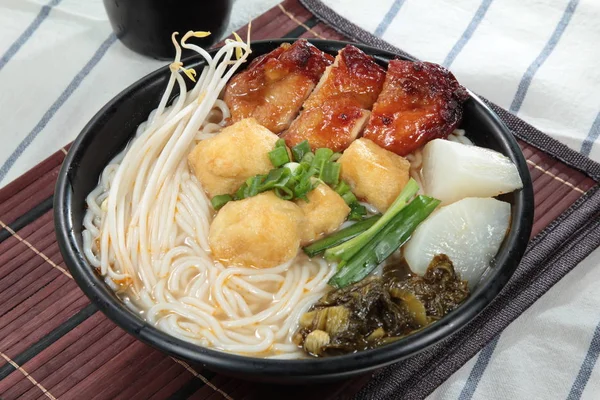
[90, 282]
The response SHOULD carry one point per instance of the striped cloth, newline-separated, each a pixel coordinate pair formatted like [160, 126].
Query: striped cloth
[59, 64]
[538, 60]
[535, 59]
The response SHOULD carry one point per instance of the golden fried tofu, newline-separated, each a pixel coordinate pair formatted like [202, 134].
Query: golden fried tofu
[375, 175]
[336, 112]
[274, 86]
[224, 162]
[419, 102]
[325, 211]
[261, 231]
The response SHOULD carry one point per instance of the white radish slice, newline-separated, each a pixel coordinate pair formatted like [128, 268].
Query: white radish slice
[469, 232]
[452, 171]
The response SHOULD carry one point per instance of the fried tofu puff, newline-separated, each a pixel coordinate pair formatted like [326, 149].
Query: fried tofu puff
[224, 162]
[375, 175]
[325, 211]
[261, 231]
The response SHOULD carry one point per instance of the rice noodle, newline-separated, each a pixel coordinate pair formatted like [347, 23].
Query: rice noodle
[147, 223]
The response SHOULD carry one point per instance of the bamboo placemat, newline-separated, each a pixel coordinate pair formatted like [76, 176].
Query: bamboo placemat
[55, 344]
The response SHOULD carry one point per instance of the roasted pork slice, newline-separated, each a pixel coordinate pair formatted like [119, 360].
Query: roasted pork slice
[274, 86]
[419, 102]
[335, 125]
[353, 74]
[338, 109]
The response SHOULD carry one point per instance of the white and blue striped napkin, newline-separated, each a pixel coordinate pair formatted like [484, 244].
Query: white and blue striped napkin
[59, 64]
[539, 60]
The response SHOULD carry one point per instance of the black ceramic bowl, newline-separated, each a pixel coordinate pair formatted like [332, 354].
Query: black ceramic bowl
[108, 132]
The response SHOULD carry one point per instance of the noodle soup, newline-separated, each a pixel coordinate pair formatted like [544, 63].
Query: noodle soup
[149, 226]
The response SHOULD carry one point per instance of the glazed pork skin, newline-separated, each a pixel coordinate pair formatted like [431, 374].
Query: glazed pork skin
[274, 86]
[337, 111]
[420, 101]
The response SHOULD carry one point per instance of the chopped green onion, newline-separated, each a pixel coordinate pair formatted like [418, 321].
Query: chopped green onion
[349, 198]
[302, 188]
[253, 184]
[295, 179]
[342, 188]
[298, 170]
[346, 250]
[299, 150]
[239, 194]
[340, 236]
[279, 156]
[308, 158]
[284, 193]
[220, 200]
[271, 180]
[330, 174]
[321, 157]
[323, 153]
[335, 156]
[285, 177]
[357, 211]
[309, 172]
[385, 241]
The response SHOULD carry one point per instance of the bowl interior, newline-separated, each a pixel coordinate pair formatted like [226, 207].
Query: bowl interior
[110, 130]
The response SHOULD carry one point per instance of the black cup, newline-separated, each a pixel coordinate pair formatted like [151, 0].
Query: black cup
[145, 26]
